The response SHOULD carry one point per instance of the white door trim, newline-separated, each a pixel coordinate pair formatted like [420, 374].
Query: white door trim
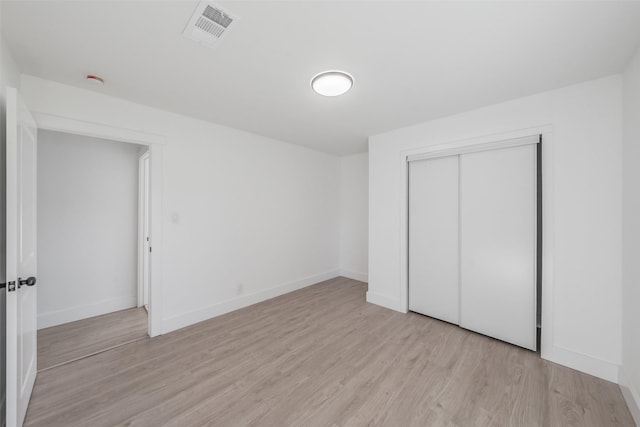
[546, 345]
[142, 224]
[439, 151]
[155, 144]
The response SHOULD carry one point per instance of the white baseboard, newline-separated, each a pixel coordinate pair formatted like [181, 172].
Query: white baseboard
[361, 277]
[383, 301]
[583, 363]
[53, 318]
[631, 395]
[180, 321]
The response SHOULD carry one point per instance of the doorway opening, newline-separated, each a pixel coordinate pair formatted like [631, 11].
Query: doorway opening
[89, 219]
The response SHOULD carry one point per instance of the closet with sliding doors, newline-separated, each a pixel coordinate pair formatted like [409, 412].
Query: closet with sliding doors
[473, 235]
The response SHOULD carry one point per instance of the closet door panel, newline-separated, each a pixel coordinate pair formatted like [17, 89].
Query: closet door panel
[498, 244]
[433, 238]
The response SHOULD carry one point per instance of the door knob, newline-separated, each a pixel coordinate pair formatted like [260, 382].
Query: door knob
[30, 281]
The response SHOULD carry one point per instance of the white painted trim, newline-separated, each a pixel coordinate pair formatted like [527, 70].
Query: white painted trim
[96, 130]
[361, 277]
[548, 221]
[142, 209]
[53, 318]
[384, 301]
[140, 226]
[465, 148]
[155, 238]
[631, 395]
[548, 242]
[155, 143]
[180, 321]
[583, 362]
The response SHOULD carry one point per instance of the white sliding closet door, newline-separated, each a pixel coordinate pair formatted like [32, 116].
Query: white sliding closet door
[498, 243]
[433, 238]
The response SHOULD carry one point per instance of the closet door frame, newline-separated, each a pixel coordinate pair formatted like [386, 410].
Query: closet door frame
[437, 148]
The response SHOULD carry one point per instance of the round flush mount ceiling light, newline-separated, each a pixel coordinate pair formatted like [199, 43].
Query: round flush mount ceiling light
[94, 80]
[332, 82]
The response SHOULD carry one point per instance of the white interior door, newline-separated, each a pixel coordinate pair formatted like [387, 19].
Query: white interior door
[21, 258]
[498, 243]
[433, 238]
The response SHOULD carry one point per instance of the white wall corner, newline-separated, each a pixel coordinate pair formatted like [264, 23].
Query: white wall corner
[383, 301]
[581, 362]
[183, 320]
[631, 395]
[361, 277]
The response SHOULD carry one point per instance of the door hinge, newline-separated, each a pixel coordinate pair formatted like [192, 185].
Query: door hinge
[11, 286]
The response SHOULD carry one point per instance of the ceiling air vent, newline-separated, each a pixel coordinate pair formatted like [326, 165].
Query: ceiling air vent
[208, 24]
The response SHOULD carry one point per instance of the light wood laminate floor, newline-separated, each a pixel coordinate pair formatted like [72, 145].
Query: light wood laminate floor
[322, 356]
[74, 340]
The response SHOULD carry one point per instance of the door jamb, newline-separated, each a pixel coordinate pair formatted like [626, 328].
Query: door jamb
[142, 222]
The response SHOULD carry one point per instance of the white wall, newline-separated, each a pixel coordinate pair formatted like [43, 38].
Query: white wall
[354, 218]
[582, 324]
[87, 227]
[244, 217]
[630, 372]
[9, 76]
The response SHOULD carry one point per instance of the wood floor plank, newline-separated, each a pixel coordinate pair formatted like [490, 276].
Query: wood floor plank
[322, 356]
[74, 340]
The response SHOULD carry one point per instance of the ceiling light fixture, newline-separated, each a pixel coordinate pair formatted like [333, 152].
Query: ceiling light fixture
[332, 83]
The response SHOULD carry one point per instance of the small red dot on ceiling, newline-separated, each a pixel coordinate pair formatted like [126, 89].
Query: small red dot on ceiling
[97, 80]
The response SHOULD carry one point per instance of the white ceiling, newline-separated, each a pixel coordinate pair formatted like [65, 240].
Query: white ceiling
[411, 61]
